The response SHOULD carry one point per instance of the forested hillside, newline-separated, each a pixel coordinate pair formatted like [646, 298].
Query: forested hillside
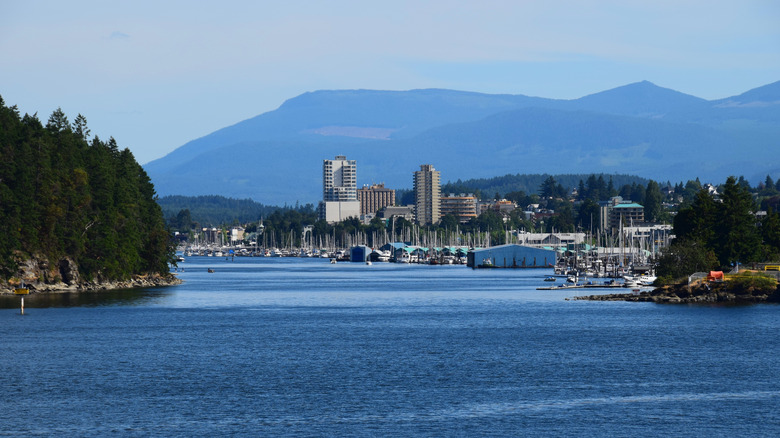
[532, 183]
[184, 212]
[69, 200]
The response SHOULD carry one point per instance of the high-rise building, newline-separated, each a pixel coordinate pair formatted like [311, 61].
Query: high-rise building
[339, 179]
[375, 198]
[427, 195]
[339, 190]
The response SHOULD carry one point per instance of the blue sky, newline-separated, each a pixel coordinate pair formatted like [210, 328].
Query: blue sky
[156, 74]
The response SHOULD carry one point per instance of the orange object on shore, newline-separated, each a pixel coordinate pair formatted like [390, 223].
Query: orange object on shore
[715, 276]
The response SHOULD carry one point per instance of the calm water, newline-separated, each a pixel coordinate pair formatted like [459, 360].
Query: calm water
[300, 347]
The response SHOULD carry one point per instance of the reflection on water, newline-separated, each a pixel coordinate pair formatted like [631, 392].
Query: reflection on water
[116, 297]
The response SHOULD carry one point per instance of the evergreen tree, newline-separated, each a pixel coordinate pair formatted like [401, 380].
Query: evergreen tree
[653, 202]
[769, 187]
[738, 239]
[562, 221]
[697, 222]
[637, 193]
[611, 192]
[588, 215]
[61, 196]
[601, 190]
[548, 188]
[770, 232]
[80, 127]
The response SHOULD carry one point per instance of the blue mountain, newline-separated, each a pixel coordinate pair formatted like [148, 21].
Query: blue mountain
[640, 128]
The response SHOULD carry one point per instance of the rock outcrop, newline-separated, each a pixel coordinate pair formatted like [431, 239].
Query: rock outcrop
[39, 275]
[702, 292]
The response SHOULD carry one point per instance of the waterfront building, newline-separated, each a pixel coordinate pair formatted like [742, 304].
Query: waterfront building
[339, 190]
[427, 195]
[512, 256]
[236, 235]
[550, 240]
[463, 206]
[375, 198]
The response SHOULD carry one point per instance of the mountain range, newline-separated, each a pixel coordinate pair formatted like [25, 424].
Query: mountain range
[640, 128]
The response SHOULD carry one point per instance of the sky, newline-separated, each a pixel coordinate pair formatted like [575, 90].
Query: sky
[157, 74]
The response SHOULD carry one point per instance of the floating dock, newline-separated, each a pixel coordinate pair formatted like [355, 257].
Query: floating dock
[585, 286]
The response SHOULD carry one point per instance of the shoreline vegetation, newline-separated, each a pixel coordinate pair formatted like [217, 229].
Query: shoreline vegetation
[76, 213]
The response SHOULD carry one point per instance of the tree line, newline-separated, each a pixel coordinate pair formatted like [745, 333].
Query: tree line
[65, 195]
[722, 231]
[185, 212]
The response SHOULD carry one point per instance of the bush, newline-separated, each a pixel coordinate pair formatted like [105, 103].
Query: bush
[752, 281]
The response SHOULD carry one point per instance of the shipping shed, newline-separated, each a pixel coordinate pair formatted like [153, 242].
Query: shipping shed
[511, 256]
[359, 253]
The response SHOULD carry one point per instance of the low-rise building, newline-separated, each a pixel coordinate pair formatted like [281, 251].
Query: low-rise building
[616, 211]
[406, 212]
[549, 240]
[337, 211]
[463, 206]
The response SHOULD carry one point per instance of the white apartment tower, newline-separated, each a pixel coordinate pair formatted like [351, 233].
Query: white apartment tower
[339, 190]
[427, 195]
[339, 179]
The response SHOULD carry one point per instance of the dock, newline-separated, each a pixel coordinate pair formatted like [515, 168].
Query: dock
[584, 286]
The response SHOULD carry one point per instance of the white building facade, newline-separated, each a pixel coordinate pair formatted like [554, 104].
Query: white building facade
[339, 190]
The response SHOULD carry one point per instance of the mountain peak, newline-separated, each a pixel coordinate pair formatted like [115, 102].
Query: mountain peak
[639, 99]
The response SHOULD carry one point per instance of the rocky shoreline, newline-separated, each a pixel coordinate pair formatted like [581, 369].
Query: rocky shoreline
[699, 293]
[40, 276]
[136, 282]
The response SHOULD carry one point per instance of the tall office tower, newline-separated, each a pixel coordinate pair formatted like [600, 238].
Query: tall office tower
[427, 195]
[375, 198]
[339, 190]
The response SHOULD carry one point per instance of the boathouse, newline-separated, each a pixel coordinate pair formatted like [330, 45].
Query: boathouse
[360, 253]
[511, 256]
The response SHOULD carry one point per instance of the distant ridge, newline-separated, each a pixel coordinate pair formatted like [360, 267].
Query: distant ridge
[639, 128]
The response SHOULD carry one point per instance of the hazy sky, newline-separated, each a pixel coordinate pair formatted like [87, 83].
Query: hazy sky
[156, 74]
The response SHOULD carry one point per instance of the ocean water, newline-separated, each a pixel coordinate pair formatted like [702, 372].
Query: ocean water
[300, 347]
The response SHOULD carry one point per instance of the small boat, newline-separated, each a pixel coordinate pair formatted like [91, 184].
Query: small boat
[487, 263]
[551, 278]
[646, 280]
[211, 271]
